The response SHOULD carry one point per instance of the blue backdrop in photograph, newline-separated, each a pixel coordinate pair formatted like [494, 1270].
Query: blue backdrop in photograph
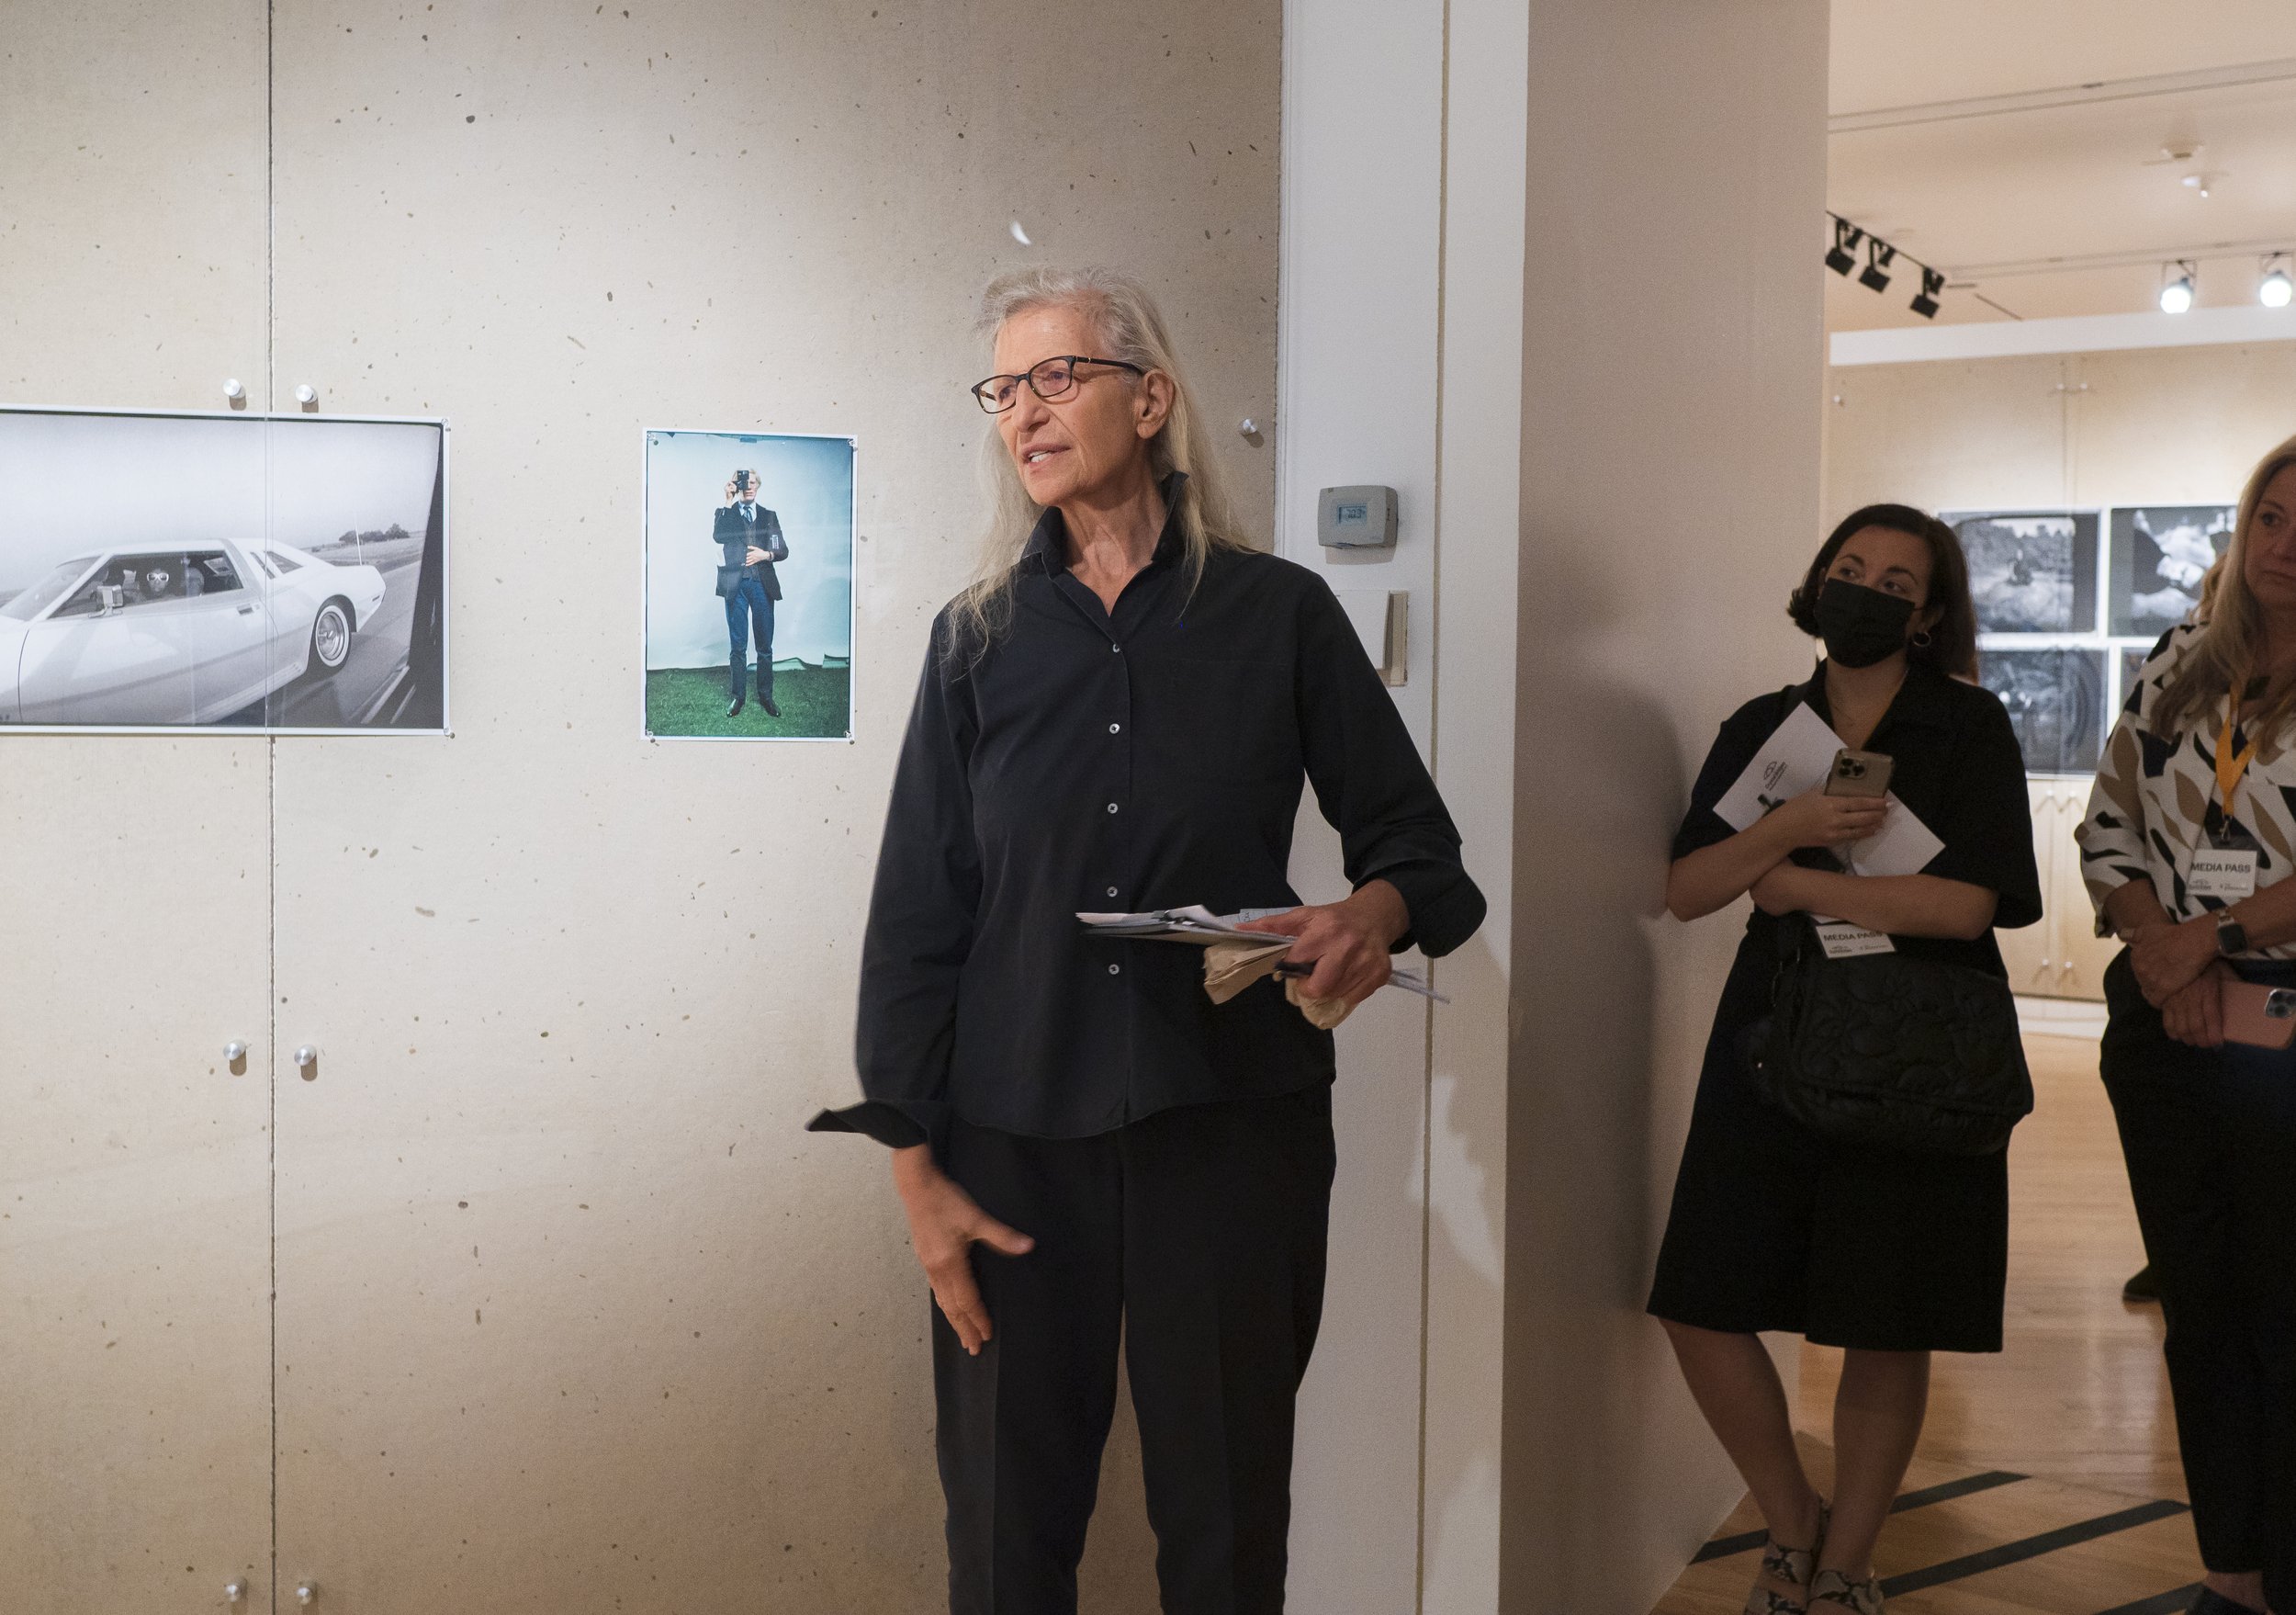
[808, 483]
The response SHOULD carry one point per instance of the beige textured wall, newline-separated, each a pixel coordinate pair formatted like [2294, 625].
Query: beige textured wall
[134, 1401]
[1670, 469]
[2160, 425]
[570, 1316]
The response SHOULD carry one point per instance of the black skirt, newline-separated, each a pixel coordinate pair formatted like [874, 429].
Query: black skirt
[1774, 1226]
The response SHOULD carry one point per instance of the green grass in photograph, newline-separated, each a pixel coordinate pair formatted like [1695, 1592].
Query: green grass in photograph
[815, 702]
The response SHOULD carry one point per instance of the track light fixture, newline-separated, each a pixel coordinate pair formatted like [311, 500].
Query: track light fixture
[2176, 295]
[2179, 277]
[2274, 290]
[1879, 255]
[1925, 300]
[1846, 238]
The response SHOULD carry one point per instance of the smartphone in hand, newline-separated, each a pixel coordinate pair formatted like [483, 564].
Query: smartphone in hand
[1858, 773]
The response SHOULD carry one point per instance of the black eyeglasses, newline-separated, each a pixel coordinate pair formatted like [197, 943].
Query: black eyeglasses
[1049, 379]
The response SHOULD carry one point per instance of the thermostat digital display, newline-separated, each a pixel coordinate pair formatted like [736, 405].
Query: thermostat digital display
[1356, 518]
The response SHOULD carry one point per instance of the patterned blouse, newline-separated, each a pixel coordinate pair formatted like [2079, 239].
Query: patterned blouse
[2155, 803]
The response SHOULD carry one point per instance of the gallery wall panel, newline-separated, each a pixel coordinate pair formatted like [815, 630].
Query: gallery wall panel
[134, 939]
[571, 1316]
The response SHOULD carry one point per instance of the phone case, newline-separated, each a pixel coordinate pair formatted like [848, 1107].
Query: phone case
[2249, 1018]
[1870, 778]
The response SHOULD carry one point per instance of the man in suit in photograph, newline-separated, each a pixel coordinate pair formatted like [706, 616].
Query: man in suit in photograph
[749, 541]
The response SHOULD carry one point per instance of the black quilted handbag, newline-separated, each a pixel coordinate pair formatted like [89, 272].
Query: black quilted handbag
[1888, 1051]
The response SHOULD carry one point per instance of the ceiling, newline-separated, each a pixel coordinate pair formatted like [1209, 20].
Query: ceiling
[1992, 194]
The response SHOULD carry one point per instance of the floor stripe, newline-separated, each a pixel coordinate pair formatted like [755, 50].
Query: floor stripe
[1723, 1547]
[2033, 1547]
[2173, 1602]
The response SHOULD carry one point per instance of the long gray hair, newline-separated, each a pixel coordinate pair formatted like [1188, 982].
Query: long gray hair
[1127, 326]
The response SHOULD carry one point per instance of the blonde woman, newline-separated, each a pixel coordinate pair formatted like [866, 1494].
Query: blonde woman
[2188, 843]
[1119, 715]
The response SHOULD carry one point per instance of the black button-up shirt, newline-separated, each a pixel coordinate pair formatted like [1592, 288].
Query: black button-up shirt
[1143, 758]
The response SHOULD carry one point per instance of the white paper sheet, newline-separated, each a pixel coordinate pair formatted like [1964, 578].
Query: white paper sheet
[1796, 758]
[1196, 924]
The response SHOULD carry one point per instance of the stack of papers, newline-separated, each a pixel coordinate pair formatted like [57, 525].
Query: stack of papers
[1796, 758]
[1196, 924]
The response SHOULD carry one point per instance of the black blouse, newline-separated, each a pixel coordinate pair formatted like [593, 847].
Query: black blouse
[1957, 766]
[1145, 758]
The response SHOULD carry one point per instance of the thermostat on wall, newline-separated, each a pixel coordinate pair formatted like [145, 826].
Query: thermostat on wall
[1356, 518]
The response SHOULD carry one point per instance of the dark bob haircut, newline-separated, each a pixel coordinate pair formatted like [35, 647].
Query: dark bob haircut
[1953, 635]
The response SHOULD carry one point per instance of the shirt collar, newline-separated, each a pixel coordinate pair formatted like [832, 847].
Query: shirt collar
[1924, 698]
[1047, 550]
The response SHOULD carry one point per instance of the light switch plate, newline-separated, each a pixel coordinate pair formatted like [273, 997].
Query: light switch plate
[1381, 618]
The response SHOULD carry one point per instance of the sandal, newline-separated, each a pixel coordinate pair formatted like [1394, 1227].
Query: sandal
[1859, 1598]
[1792, 1566]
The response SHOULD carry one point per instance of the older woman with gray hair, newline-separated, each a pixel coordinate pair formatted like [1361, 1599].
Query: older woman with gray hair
[1119, 714]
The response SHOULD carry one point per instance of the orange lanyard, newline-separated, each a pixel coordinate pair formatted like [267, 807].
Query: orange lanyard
[2229, 767]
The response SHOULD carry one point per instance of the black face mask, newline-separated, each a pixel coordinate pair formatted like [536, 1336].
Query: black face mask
[1861, 625]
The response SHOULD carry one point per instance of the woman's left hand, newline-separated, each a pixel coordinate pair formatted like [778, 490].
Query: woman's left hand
[1346, 942]
[2168, 958]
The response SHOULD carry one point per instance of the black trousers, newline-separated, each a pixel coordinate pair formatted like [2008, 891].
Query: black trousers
[1199, 1233]
[2210, 1141]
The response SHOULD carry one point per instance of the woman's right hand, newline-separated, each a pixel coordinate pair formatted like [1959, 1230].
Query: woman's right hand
[1817, 820]
[944, 1225]
[2194, 1013]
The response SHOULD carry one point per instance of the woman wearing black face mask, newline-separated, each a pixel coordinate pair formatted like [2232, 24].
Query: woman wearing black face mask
[1890, 1253]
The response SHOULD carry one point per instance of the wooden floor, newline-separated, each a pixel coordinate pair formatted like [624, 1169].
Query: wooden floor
[2046, 1481]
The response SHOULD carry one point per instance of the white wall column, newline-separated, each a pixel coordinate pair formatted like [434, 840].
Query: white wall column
[1547, 271]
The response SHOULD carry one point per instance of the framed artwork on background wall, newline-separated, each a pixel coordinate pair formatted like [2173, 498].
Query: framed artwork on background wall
[2132, 660]
[2056, 700]
[2030, 571]
[749, 586]
[2159, 553]
[230, 573]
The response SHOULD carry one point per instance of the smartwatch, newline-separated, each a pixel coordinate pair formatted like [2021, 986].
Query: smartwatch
[2232, 937]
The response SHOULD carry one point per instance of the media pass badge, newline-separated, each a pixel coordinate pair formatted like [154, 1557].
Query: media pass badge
[1842, 939]
[2229, 873]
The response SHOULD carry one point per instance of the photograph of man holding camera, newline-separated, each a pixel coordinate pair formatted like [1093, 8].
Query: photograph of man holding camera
[750, 539]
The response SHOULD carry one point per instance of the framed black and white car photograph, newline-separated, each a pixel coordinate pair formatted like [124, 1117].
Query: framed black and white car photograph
[2159, 553]
[2030, 571]
[749, 582]
[227, 573]
[2056, 700]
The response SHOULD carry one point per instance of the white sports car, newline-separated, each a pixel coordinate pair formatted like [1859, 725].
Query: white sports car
[181, 634]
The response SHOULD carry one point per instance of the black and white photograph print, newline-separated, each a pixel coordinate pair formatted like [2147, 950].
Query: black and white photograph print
[234, 572]
[2056, 700]
[2160, 553]
[749, 586]
[2132, 660]
[2030, 571]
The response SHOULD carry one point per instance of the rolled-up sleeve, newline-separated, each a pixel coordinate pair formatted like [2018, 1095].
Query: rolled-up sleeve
[1372, 786]
[921, 917]
[2112, 837]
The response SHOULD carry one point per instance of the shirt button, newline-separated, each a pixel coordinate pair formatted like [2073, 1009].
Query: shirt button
[1111, 807]
[1116, 970]
[1115, 728]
